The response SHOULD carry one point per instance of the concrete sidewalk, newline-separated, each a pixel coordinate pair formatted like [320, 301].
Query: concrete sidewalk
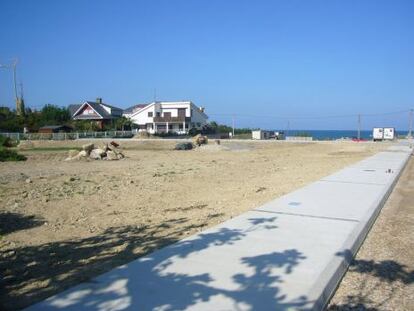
[288, 254]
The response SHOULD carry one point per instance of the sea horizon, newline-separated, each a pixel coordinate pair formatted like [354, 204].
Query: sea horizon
[336, 134]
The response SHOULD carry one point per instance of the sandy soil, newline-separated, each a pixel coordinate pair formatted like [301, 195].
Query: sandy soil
[65, 222]
[382, 275]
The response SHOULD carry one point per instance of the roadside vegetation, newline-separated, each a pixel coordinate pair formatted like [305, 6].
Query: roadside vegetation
[50, 114]
[7, 154]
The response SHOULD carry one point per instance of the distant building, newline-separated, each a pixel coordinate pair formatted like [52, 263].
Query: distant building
[49, 129]
[260, 134]
[97, 111]
[164, 117]
[131, 110]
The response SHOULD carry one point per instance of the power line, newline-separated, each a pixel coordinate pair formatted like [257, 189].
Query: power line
[311, 117]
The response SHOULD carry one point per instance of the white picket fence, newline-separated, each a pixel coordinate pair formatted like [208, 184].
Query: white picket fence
[299, 138]
[69, 136]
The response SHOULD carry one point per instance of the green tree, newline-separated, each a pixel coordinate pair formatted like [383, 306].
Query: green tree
[54, 114]
[10, 121]
[123, 124]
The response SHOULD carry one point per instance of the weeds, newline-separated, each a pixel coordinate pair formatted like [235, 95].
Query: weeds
[10, 155]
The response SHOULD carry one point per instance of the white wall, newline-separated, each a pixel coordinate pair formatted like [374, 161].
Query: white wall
[141, 117]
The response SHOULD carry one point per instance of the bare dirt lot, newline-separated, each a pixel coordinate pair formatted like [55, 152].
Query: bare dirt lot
[65, 222]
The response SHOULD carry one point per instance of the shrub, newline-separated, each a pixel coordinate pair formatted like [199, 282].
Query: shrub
[193, 132]
[10, 155]
[7, 142]
[183, 146]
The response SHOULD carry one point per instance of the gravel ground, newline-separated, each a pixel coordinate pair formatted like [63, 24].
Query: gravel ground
[381, 276]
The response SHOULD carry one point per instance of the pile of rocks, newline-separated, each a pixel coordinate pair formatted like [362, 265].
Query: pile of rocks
[200, 140]
[109, 151]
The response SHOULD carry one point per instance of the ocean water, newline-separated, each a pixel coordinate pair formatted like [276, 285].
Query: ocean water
[337, 134]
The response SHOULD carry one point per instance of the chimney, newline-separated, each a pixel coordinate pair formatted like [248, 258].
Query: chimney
[99, 100]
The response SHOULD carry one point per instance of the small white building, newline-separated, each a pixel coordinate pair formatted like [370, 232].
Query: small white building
[260, 134]
[165, 117]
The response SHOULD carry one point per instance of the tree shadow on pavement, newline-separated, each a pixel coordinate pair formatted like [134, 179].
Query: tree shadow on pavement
[60, 265]
[33, 273]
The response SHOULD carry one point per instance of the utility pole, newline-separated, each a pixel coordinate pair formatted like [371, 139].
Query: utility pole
[14, 79]
[233, 126]
[359, 126]
[410, 125]
[19, 101]
[21, 90]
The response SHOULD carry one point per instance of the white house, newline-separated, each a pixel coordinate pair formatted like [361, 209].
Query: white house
[165, 117]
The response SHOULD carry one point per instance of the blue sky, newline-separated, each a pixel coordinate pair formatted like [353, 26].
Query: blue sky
[258, 59]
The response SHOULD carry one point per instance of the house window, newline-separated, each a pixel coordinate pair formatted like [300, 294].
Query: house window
[150, 114]
[181, 112]
[158, 114]
[180, 126]
[167, 115]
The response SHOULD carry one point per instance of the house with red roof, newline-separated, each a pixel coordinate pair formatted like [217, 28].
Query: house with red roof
[97, 111]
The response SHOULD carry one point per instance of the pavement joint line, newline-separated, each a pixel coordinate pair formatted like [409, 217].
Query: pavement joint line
[354, 183]
[309, 216]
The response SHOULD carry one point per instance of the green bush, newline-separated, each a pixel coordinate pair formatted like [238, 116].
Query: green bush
[7, 142]
[10, 155]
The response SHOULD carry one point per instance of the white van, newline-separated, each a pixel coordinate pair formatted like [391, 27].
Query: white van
[389, 133]
[378, 133]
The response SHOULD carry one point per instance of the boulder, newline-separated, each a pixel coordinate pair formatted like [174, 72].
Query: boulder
[183, 146]
[82, 154]
[200, 140]
[120, 155]
[97, 154]
[113, 147]
[115, 144]
[88, 147]
[111, 155]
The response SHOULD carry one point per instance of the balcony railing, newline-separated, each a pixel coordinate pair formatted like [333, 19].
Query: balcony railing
[172, 119]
